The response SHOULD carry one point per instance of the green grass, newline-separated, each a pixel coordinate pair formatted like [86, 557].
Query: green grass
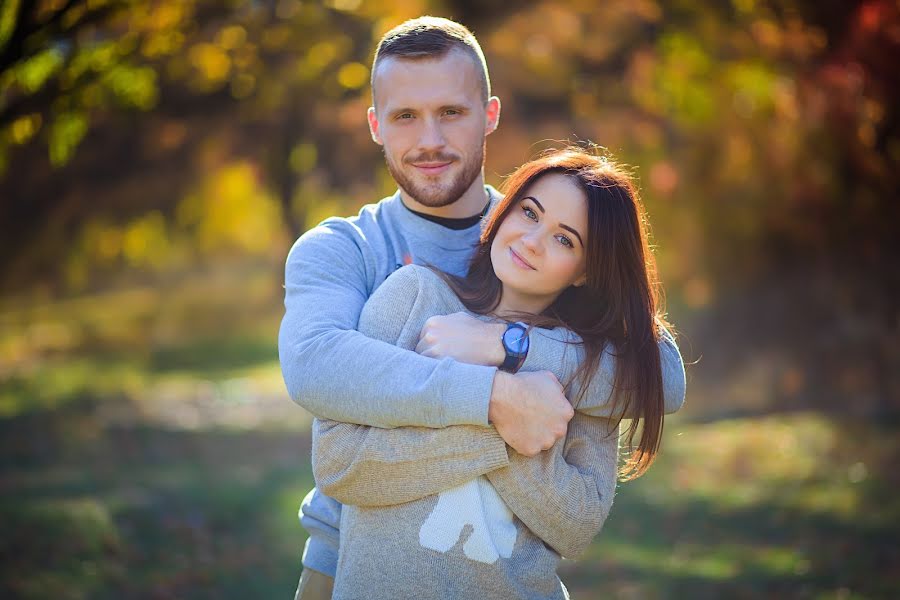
[773, 507]
[796, 506]
[146, 511]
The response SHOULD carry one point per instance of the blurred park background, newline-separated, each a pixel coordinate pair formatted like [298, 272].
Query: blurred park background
[158, 158]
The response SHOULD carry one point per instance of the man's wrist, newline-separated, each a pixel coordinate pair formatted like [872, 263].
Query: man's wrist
[499, 394]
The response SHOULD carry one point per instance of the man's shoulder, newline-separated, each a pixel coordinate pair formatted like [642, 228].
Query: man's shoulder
[358, 230]
[368, 216]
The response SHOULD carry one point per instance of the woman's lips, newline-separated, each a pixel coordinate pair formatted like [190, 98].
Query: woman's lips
[519, 261]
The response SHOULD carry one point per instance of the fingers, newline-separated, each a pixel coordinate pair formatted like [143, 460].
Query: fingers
[532, 442]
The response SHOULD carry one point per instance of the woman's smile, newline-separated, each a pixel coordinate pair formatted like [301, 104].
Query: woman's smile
[519, 261]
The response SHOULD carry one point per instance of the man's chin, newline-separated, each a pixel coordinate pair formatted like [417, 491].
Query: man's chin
[433, 200]
[432, 191]
[433, 194]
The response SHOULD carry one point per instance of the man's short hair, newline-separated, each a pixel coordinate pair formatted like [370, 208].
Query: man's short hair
[431, 38]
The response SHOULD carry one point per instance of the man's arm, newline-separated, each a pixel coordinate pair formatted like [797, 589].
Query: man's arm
[558, 351]
[553, 350]
[369, 466]
[335, 372]
[338, 373]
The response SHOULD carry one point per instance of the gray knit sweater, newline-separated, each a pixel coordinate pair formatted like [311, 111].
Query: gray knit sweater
[415, 524]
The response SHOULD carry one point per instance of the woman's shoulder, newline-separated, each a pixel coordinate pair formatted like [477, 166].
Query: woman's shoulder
[417, 276]
[429, 286]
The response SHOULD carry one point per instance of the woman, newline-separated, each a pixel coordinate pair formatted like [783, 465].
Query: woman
[424, 516]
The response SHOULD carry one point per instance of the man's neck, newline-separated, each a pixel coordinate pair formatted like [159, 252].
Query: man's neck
[470, 203]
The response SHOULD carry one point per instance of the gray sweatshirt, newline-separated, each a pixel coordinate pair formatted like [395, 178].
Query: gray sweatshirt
[416, 524]
[337, 373]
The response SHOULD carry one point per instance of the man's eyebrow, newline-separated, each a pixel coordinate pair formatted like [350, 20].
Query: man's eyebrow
[566, 227]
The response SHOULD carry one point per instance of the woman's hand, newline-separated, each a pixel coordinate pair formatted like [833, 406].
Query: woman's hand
[462, 337]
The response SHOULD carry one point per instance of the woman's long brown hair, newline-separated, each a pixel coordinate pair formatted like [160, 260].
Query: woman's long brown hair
[619, 303]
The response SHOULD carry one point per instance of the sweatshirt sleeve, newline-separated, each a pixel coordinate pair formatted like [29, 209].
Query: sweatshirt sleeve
[369, 466]
[560, 352]
[564, 494]
[336, 372]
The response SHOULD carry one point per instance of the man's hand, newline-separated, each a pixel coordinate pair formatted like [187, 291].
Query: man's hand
[464, 338]
[529, 410]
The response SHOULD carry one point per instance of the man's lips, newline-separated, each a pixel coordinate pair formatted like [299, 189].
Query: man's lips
[521, 262]
[432, 168]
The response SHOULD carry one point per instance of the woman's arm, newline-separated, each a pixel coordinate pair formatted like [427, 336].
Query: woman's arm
[368, 466]
[564, 494]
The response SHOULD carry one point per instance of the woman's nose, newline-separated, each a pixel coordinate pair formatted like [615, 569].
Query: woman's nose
[532, 241]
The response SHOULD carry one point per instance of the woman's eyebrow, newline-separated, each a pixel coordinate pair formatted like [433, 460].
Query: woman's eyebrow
[535, 200]
[575, 233]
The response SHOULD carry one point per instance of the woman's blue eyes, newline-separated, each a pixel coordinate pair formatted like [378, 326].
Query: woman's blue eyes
[530, 214]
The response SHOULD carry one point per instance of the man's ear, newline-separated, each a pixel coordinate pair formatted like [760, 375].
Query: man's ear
[373, 126]
[492, 115]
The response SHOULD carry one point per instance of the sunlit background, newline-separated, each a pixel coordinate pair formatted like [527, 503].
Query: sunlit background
[158, 158]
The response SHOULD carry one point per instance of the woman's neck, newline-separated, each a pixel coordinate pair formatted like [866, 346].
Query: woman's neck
[512, 304]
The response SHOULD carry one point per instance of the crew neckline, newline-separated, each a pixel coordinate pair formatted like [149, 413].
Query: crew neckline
[455, 223]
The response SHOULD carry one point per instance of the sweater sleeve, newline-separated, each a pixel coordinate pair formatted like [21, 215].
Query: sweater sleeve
[560, 352]
[564, 494]
[369, 466]
[337, 372]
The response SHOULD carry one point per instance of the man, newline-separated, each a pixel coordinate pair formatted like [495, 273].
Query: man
[432, 111]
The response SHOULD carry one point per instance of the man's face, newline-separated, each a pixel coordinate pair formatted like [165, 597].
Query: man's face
[432, 121]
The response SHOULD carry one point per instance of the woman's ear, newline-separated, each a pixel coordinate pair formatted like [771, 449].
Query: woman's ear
[580, 281]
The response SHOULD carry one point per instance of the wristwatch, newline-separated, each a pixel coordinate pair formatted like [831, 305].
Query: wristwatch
[515, 343]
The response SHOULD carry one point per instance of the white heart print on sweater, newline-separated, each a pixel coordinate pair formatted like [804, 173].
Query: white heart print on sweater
[474, 503]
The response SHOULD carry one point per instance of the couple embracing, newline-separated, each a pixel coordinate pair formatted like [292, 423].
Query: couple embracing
[468, 355]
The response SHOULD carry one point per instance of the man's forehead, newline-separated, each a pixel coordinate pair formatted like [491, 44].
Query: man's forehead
[450, 79]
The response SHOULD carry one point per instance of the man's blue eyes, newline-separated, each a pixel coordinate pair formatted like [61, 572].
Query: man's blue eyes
[450, 113]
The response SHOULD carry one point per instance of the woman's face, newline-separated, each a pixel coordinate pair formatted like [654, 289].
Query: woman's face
[540, 247]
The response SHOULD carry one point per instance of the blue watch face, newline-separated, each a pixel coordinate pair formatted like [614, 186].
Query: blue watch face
[515, 338]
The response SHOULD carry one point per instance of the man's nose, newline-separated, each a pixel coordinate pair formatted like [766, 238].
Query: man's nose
[432, 136]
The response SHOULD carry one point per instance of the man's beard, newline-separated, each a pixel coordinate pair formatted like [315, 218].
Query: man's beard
[435, 195]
